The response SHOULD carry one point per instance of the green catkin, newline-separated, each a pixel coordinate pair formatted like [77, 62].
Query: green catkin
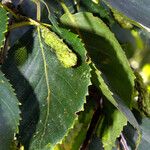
[143, 95]
[63, 53]
[123, 21]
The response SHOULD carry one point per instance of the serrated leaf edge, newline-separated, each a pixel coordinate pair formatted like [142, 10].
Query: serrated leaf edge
[13, 92]
[76, 116]
[87, 93]
[137, 128]
[113, 144]
[3, 41]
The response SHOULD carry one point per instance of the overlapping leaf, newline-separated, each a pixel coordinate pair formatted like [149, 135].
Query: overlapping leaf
[50, 93]
[107, 54]
[93, 7]
[114, 120]
[9, 114]
[3, 25]
[100, 83]
[117, 79]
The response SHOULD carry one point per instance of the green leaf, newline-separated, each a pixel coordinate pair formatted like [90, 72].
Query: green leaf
[93, 7]
[100, 83]
[51, 94]
[9, 114]
[112, 127]
[106, 53]
[3, 25]
[116, 79]
[115, 119]
[77, 135]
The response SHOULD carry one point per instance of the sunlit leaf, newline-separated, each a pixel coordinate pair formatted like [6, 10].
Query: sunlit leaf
[50, 94]
[108, 56]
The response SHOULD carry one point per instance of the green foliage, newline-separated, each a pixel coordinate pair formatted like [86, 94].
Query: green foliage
[59, 93]
[112, 127]
[3, 25]
[76, 136]
[105, 56]
[74, 83]
[9, 114]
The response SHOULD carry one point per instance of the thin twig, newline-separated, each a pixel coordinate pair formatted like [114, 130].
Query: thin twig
[123, 142]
